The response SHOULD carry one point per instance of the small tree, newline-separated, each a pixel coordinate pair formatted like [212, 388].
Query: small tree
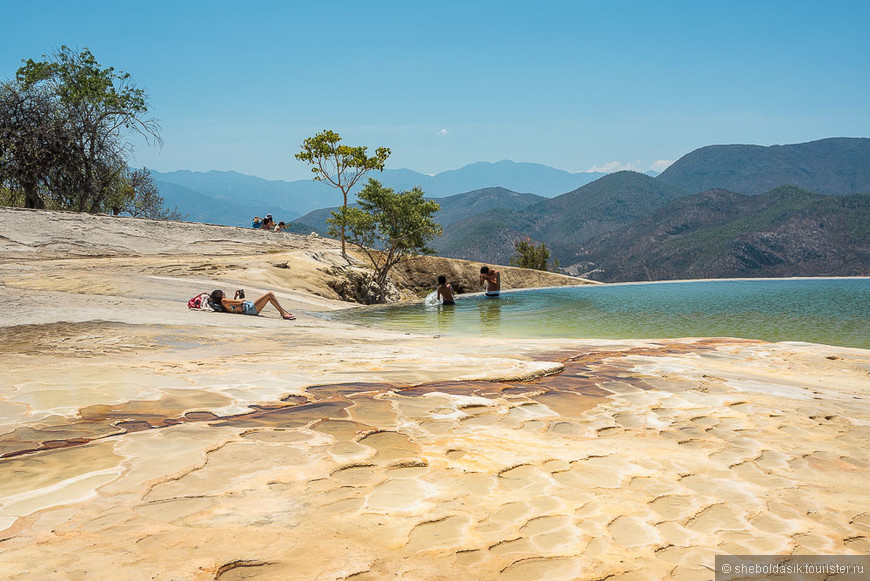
[98, 105]
[531, 256]
[339, 166]
[388, 227]
[64, 123]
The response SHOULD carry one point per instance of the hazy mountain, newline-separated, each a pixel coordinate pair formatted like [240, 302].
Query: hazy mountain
[628, 225]
[288, 200]
[249, 195]
[453, 208]
[609, 203]
[484, 238]
[519, 177]
[785, 232]
[565, 223]
[199, 207]
[838, 165]
[483, 201]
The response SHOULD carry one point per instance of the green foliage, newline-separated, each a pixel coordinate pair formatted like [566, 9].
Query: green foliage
[63, 127]
[81, 83]
[838, 165]
[532, 256]
[340, 166]
[857, 210]
[10, 197]
[388, 227]
[780, 203]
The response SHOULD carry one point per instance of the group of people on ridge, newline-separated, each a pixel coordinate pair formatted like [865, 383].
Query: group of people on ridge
[267, 223]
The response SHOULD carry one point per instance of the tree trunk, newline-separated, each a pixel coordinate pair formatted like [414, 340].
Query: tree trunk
[32, 198]
[343, 251]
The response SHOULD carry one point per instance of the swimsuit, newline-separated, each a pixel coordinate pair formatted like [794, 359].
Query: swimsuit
[448, 303]
[248, 308]
[491, 294]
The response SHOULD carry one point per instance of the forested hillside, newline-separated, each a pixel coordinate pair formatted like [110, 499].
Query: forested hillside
[838, 165]
[784, 232]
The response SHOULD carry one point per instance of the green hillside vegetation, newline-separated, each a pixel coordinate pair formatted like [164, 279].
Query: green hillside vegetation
[785, 232]
[497, 199]
[472, 222]
[565, 223]
[605, 205]
[478, 238]
[838, 166]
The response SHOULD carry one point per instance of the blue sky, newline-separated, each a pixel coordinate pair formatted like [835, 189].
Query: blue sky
[577, 85]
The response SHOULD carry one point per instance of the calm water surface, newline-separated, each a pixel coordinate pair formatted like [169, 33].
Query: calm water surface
[828, 311]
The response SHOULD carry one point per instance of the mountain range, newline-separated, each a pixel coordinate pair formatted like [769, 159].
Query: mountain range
[784, 232]
[611, 229]
[453, 208]
[232, 198]
[719, 211]
[839, 165]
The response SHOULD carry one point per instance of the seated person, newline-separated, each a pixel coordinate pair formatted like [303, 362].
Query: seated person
[280, 227]
[255, 223]
[219, 302]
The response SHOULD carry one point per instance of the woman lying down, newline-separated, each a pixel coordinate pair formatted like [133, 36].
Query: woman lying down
[219, 302]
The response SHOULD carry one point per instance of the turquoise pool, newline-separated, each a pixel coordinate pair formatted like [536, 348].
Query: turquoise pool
[830, 311]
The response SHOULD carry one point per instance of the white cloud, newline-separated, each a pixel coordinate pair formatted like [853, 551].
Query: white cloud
[613, 166]
[443, 132]
[661, 165]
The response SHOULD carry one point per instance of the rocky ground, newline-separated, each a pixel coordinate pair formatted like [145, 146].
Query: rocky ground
[140, 439]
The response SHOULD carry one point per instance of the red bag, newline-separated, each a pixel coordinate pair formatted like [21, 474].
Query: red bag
[199, 302]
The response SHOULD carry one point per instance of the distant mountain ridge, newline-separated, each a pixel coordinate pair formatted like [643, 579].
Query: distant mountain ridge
[839, 165]
[565, 223]
[723, 210]
[288, 200]
[453, 208]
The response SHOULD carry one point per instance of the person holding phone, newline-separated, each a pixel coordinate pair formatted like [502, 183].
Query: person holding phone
[238, 304]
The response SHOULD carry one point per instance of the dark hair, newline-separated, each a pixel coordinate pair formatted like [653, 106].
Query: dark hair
[442, 279]
[484, 270]
[217, 295]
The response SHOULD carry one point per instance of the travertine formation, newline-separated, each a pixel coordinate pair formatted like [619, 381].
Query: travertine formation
[141, 440]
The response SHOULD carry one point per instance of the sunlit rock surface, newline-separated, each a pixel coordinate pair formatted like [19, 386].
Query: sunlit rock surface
[141, 440]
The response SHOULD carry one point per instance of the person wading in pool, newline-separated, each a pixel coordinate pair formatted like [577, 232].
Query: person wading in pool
[492, 278]
[445, 291]
[220, 302]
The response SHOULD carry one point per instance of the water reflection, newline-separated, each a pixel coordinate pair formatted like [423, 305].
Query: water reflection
[446, 318]
[490, 316]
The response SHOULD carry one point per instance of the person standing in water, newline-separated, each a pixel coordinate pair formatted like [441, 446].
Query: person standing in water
[492, 278]
[445, 291]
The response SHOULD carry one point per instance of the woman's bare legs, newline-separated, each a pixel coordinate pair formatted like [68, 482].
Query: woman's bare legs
[269, 297]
